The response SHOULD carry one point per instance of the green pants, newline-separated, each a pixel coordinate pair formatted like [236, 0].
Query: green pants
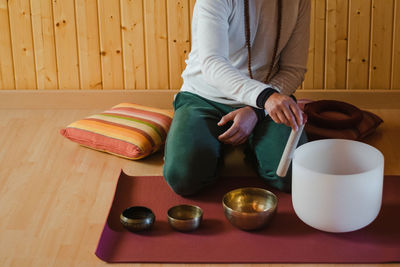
[192, 149]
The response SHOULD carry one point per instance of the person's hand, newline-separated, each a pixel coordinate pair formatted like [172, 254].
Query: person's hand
[283, 109]
[244, 120]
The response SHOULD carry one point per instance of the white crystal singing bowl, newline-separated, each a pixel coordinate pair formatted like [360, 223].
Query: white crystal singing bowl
[337, 184]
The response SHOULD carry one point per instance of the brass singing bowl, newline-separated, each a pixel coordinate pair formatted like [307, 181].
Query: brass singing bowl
[137, 218]
[185, 218]
[249, 208]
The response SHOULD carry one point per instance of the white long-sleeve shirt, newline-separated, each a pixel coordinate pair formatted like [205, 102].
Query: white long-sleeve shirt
[217, 64]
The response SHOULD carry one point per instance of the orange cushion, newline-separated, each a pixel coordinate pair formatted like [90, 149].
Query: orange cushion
[127, 130]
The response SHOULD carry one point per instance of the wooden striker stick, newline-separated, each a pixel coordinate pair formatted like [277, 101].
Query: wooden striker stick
[288, 152]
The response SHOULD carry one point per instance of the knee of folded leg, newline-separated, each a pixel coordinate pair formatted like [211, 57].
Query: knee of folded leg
[181, 181]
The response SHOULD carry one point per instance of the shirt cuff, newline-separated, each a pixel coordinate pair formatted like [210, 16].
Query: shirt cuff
[260, 113]
[263, 97]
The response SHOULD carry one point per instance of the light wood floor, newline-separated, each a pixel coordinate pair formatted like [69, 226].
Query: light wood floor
[55, 195]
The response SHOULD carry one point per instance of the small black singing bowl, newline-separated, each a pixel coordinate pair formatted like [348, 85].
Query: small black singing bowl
[137, 218]
[185, 218]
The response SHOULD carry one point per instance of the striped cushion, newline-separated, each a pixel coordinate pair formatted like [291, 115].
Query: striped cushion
[128, 130]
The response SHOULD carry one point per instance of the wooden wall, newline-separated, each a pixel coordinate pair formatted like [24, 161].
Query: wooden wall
[142, 44]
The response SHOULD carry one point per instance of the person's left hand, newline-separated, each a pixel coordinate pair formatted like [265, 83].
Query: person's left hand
[244, 120]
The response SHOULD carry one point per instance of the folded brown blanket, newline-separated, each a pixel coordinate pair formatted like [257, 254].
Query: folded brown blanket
[337, 119]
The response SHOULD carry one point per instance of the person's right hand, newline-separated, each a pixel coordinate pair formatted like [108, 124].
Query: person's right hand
[283, 109]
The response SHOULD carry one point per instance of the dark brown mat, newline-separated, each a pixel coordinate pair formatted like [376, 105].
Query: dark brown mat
[285, 240]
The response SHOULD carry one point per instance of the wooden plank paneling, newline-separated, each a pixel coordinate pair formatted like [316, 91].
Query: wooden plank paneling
[44, 43]
[396, 48]
[358, 44]
[133, 44]
[110, 44]
[381, 54]
[142, 44]
[178, 39]
[22, 44]
[88, 44]
[156, 38]
[309, 78]
[6, 62]
[336, 44]
[66, 46]
[319, 44]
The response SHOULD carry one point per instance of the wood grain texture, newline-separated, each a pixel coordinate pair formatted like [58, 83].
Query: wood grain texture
[309, 78]
[396, 47]
[87, 28]
[319, 44]
[156, 40]
[6, 62]
[178, 40]
[381, 40]
[22, 44]
[336, 44]
[110, 44]
[66, 44]
[55, 195]
[44, 43]
[92, 99]
[142, 44]
[359, 47]
[133, 44]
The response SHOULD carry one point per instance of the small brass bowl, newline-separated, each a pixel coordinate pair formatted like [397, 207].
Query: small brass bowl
[185, 218]
[137, 218]
[249, 208]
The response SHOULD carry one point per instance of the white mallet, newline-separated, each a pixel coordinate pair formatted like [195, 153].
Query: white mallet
[288, 152]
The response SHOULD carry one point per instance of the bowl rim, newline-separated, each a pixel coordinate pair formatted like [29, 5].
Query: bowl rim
[185, 205]
[380, 163]
[270, 209]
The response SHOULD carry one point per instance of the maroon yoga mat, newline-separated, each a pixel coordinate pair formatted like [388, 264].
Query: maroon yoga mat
[285, 240]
